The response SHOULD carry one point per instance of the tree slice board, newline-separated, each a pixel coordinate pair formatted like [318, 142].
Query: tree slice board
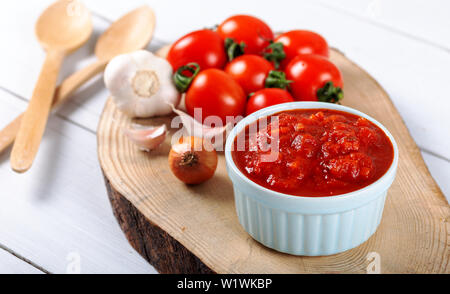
[195, 229]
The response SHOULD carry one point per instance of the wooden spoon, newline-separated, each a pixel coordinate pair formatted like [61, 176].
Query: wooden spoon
[62, 28]
[131, 32]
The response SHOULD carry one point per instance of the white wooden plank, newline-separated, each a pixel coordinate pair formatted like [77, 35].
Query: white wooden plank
[440, 170]
[59, 209]
[410, 71]
[9, 264]
[424, 20]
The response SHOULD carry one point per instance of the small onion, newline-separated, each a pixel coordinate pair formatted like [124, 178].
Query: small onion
[193, 160]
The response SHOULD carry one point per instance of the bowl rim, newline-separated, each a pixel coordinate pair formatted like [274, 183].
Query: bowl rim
[384, 180]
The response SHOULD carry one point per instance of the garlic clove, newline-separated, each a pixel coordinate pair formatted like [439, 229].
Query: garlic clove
[197, 129]
[146, 138]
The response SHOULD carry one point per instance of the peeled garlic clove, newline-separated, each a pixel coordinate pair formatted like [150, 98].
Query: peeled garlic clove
[195, 128]
[146, 138]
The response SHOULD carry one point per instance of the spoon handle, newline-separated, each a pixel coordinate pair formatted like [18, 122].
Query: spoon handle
[35, 117]
[67, 87]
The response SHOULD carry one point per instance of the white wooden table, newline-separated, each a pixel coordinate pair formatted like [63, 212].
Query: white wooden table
[57, 217]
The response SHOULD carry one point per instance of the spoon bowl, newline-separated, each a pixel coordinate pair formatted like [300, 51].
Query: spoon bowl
[65, 26]
[131, 32]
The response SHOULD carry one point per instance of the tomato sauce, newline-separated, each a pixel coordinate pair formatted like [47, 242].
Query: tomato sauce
[319, 152]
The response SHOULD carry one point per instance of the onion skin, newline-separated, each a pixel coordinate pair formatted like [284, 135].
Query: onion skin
[193, 160]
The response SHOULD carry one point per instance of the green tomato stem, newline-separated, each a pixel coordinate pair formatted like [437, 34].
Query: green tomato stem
[275, 53]
[330, 93]
[234, 49]
[277, 79]
[181, 81]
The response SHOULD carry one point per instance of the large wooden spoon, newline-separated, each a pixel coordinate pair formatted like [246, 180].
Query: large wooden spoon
[131, 32]
[62, 28]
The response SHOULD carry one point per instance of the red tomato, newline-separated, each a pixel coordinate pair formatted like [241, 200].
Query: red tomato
[299, 42]
[250, 71]
[267, 97]
[255, 33]
[216, 93]
[315, 78]
[204, 47]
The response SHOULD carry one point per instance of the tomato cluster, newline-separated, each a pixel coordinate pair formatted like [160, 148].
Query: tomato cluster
[241, 67]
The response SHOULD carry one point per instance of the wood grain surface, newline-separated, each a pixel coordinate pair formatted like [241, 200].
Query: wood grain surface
[413, 236]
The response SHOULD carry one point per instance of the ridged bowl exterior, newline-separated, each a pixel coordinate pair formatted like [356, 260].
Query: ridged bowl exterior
[308, 226]
[311, 235]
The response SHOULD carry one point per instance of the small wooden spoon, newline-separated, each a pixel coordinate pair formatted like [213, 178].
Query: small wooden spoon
[62, 28]
[131, 32]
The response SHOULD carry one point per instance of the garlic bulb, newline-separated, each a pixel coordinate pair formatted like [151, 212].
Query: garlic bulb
[141, 84]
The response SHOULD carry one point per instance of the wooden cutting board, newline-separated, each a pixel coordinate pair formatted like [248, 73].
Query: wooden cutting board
[195, 229]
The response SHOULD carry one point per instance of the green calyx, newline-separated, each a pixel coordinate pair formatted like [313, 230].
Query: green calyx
[330, 93]
[277, 79]
[233, 49]
[275, 53]
[181, 81]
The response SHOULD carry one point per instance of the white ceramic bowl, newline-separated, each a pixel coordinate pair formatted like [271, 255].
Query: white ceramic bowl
[307, 225]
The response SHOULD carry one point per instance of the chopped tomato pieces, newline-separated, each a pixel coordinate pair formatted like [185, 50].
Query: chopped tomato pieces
[316, 152]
